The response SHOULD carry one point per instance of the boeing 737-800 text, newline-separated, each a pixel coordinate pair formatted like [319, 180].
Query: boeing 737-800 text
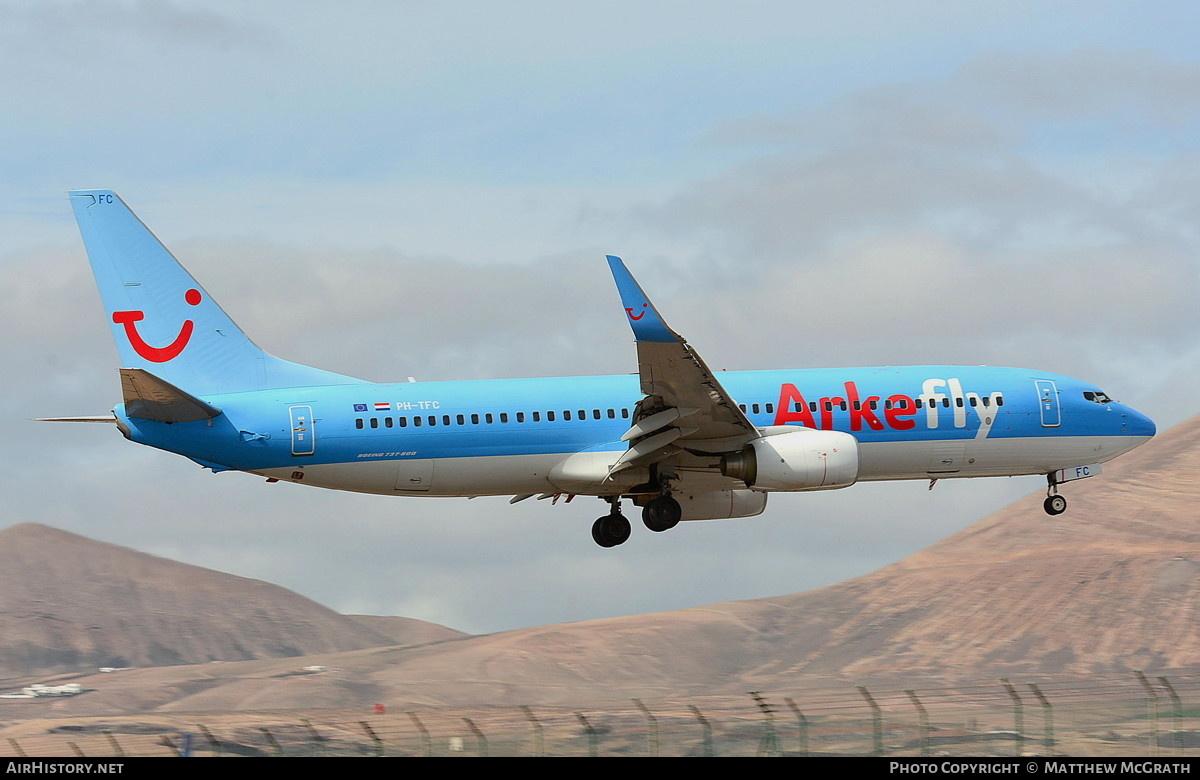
[677, 440]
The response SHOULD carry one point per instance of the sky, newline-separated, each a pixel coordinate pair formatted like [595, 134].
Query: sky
[395, 189]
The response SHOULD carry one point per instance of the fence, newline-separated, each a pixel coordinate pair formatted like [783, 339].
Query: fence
[1123, 715]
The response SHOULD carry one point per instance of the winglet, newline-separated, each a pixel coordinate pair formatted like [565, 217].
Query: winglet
[647, 323]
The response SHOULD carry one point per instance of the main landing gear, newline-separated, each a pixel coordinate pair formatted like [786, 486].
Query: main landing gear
[660, 514]
[1054, 503]
[613, 528]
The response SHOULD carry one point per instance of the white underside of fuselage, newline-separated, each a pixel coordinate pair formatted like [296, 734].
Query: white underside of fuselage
[522, 474]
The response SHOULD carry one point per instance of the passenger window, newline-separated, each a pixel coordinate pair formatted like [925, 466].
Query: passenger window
[445, 419]
[625, 414]
[403, 422]
[612, 414]
[503, 417]
[475, 419]
[566, 414]
[460, 420]
[432, 419]
[487, 418]
[387, 422]
[416, 422]
[520, 417]
[549, 416]
[537, 416]
[358, 423]
[374, 422]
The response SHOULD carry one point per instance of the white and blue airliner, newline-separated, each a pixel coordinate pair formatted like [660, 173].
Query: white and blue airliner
[675, 439]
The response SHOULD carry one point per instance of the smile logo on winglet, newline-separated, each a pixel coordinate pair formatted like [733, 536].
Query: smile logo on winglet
[629, 311]
[157, 354]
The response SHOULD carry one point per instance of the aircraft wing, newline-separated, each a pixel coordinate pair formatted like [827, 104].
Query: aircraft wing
[685, 407]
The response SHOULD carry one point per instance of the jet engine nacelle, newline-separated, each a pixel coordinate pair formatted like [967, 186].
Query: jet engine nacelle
[803, 459]
[721, 504]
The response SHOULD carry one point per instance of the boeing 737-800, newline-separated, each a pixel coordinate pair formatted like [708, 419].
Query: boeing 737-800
[676, 439]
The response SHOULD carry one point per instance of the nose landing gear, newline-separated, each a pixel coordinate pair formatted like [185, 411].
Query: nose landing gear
[1054, 503]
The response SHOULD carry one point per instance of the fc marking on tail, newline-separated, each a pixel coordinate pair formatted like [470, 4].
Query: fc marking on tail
[157, 354]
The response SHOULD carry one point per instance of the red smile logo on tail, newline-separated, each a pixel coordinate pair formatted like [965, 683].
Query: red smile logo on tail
[640, 314]
[157, 354]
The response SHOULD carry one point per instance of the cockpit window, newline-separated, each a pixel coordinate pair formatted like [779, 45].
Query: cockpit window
[1095, 396]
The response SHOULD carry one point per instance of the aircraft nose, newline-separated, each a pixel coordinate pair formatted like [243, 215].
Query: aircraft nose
[1138, 424]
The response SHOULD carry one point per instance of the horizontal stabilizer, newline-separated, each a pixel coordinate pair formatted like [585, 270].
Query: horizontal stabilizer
[97, 418]
[149, 398]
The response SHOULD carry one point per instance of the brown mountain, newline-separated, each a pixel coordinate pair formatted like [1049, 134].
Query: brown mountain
[69, 603]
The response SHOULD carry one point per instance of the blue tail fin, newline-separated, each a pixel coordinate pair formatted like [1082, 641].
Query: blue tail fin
[163, 321]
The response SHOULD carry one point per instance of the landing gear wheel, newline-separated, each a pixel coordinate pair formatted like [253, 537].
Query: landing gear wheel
[611, 530]
[662, 514]
[1055, 505]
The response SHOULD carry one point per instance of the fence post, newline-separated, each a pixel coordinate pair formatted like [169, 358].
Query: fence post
[876, 720]
[168, 743]
[1178, 706]
[213, 744]
[480, 739]
[267, 735]
[539, 747]
[116, 746]
[651, 728]
[801, 723]
[374, 737]
[423, 740]
[768, 745]
[1152, 705]
[1018, 715]
[318, 740]
[923, 718]
[706, 728]
[1049, 715]
[591, 733]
